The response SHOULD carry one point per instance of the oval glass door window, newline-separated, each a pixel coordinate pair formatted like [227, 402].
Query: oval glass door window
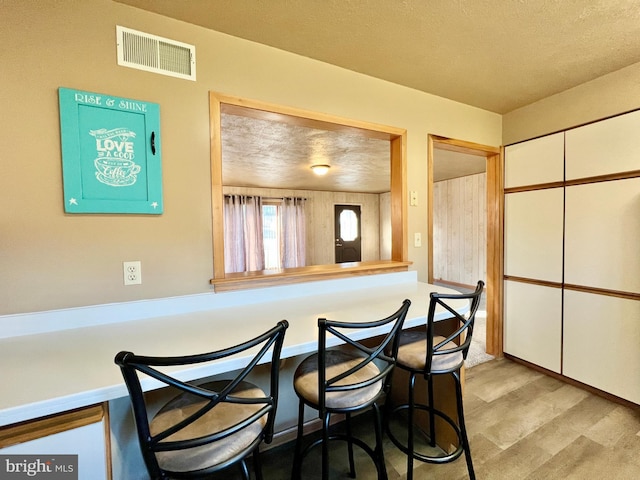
[348, 225]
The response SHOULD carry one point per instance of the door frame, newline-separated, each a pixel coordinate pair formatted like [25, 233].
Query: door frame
[495, 244]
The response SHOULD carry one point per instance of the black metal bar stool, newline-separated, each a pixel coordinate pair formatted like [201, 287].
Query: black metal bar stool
[208, 427]
[423, 353]
[346, 381]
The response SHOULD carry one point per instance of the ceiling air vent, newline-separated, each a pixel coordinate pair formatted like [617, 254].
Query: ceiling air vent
[155, 54]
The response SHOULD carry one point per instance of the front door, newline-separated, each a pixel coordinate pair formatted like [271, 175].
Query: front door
[347, 230]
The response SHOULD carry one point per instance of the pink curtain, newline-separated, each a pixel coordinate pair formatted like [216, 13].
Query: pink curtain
[243, 243]
[293, 233]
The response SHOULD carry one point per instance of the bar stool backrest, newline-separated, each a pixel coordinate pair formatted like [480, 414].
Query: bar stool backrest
[465, 330]
[136, 367]
[383, 353]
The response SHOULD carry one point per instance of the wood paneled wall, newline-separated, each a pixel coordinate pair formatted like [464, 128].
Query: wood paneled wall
[460, 230]
[320, 227]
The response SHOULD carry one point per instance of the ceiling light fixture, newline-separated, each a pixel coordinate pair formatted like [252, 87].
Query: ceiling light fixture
[320, 169]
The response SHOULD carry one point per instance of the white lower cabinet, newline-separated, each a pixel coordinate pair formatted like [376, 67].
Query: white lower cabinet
[601, 339]
[87, 441]
[533, 323]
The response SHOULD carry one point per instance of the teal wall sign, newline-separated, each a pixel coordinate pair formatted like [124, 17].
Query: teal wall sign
[111, 155]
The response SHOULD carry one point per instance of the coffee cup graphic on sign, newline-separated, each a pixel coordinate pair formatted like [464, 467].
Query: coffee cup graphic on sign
[115, 166]
[115, 172]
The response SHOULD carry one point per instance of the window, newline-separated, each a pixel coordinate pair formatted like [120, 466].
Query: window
[283, 232]
[348, 225]
[271, 235]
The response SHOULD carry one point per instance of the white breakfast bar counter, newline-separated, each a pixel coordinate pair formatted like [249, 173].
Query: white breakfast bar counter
[53, 362]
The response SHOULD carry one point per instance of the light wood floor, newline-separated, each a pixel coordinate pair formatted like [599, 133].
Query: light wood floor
[522, 425]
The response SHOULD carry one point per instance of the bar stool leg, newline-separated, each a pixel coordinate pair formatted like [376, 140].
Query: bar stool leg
[463, 429]
[244, 469]
[297, 456]
[325, 446]
[412, 381]
[352, 466]
[379, 452]
[257, 464]
[432, 415]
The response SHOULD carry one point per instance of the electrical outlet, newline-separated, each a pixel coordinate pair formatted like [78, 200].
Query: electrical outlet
[132, 273]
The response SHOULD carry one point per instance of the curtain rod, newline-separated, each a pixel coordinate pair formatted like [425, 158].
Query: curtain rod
[264, 198]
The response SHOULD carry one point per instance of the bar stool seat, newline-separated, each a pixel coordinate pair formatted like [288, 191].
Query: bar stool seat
[413, 351]
[337, 362]
[422, 353]
[219, 419]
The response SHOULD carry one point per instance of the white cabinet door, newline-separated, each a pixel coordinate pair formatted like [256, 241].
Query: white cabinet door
[533, 323]
[533, 231]
[87, 442]
[535, 162]
[602, 236]
[601, 341]
[601, 148]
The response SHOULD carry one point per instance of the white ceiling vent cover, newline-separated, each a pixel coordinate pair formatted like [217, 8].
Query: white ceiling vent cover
[155, 54]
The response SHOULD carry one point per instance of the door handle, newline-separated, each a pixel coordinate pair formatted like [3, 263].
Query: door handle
[153, 143]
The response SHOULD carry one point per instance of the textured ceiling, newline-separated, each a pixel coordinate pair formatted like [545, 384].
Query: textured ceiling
[498, 55]
[272, 154]
[262, 153]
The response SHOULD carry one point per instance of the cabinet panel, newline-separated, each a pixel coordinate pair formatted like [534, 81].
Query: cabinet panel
[602, 232]
[533, 234]
[608, 146]
[87, 442]
[533, 323]
[601, 338]
[535, 161]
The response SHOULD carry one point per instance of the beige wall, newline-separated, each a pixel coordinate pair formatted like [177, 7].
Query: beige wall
[611, 94]
[50, 260]
[319, 214]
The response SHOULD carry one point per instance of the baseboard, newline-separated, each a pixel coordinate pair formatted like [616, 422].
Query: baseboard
[454, 284]
[575, 383]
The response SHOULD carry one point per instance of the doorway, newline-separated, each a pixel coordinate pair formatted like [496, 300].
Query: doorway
[494, 209]
[348, 233]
